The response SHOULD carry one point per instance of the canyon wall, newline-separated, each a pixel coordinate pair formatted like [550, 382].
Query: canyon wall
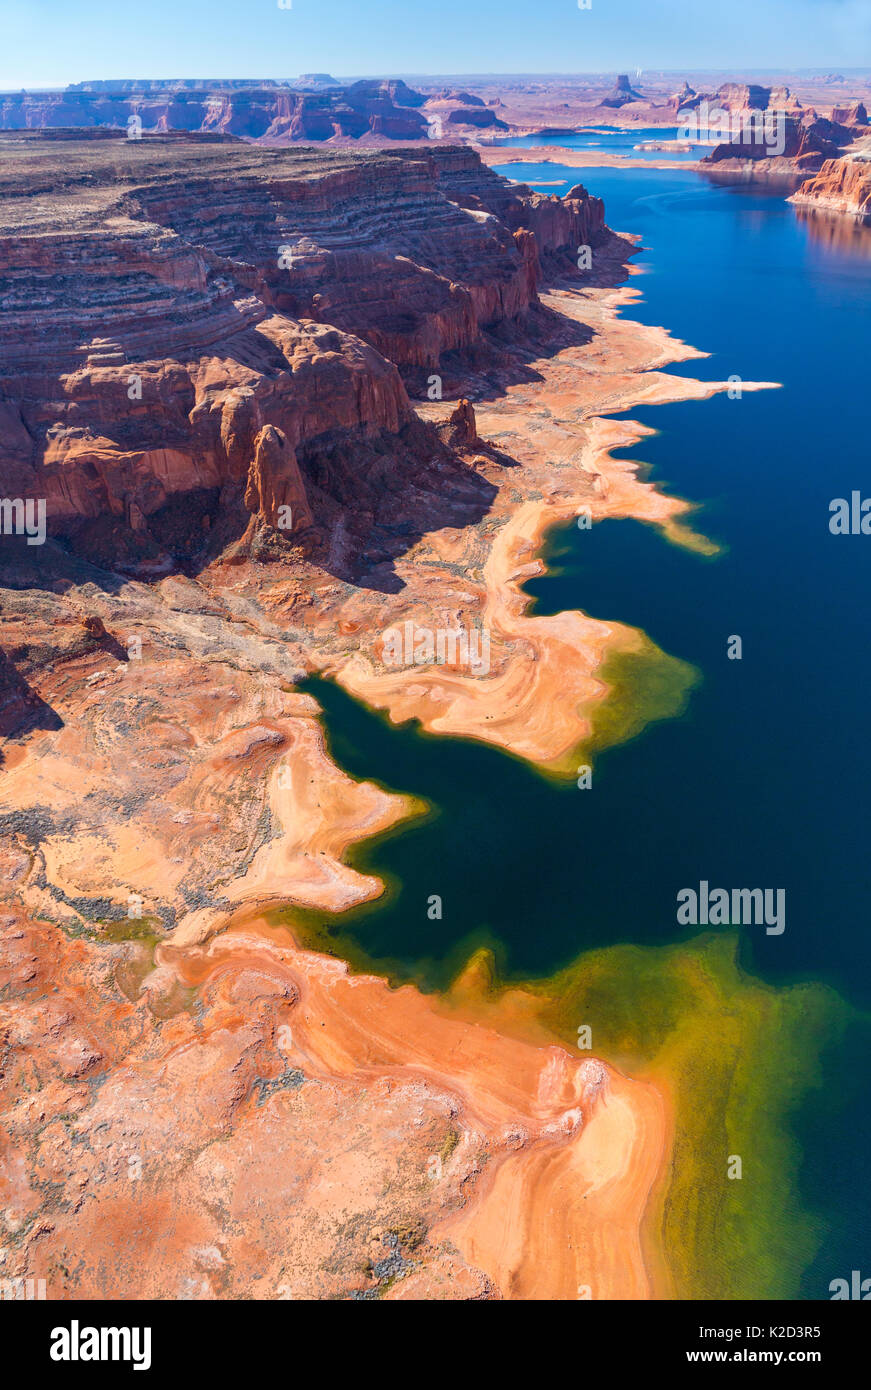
[184, 317]
[274, 113]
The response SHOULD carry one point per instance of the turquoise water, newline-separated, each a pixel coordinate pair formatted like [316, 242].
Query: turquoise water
[610, 140]
[764, 780]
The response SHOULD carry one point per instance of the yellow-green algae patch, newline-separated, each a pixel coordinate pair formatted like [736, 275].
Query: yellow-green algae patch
[735, 1058]
[645, 685]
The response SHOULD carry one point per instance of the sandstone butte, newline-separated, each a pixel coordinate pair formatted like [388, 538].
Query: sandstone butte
[195, 335]
[841, 186]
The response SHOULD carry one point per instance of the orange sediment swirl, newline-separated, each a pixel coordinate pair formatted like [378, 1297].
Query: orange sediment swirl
[556, 1154]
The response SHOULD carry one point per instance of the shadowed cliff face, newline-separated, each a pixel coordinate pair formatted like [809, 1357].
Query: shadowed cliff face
[183, 318]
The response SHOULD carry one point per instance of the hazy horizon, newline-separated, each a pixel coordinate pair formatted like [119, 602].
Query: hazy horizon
[49, 45]
[390, 76]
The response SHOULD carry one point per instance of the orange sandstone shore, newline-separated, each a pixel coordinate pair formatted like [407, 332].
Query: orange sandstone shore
[540, 707]
[305, 1133]
[426, 1149]
[558, 1153]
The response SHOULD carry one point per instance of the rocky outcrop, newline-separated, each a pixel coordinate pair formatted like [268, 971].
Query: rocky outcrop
[465, 98]
[742, 96]
[384, 89]
[682, 97]
[782, 99]
[777, 142]
[621, 93]
[559, 225]
[274, 490]
[854, 115]
[842, 185]
[461, 427]
[315, 80]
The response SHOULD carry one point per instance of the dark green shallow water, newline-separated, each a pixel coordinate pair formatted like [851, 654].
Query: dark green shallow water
[761, 781]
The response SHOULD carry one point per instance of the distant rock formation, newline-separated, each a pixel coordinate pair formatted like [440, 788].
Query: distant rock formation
[785, 142]
[682, 97]
[742, 96]
[126, 86]
[276, 113]
[373, 89]
[855, 115]
[482, 118]
[621, 93]
[782, 99]
[464, 98]
[310, 80]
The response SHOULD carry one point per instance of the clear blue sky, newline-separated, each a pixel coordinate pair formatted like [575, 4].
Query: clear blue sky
[52, 42]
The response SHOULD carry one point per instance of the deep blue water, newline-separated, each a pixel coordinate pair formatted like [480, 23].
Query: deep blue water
[775, 764]
[763, 782]
[610, 140]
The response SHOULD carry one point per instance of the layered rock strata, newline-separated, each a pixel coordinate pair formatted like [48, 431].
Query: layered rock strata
[188, 318]
[192, 1104]
[273, 113]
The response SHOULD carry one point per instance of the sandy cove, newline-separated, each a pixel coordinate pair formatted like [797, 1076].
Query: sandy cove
[545, 677]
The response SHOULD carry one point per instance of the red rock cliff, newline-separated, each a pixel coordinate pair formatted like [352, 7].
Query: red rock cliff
[842, 185]
[180, 317]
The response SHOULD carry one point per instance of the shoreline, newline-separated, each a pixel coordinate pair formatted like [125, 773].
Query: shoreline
[567, 460]
[570, 1145]
[261, 754]
[575, 158]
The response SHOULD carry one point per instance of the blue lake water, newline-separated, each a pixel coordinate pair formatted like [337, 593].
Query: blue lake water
[763, 782]
[610, 140]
